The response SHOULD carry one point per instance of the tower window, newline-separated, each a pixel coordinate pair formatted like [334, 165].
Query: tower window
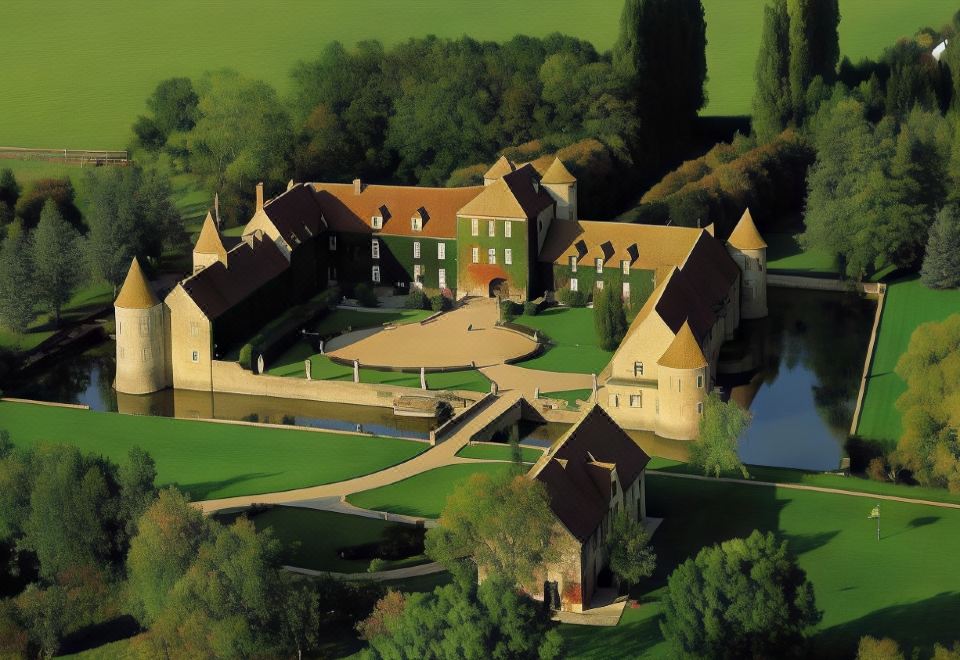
[573, 284]
[195, 356]
[416, 224]
[194, 328]
[625, 265]
[700, 408]
[700, 382]
[637, 369]
[144, 327]
[599, 285]
[636, 400]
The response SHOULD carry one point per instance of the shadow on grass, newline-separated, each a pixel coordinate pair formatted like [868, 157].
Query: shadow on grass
[91, 637]
[202, 490]
[916, 626]
[803, 543]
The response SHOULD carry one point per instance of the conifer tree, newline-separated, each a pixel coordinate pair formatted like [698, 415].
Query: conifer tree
[772, 107]
[57, 259]
[9, 188]
[941, 265]
[16, 280]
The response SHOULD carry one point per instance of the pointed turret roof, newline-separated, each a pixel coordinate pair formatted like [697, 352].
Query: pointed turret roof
[684, 352]
[210, 241]
[498, 169]
[558, 173]
[136, 292]
[745, 235]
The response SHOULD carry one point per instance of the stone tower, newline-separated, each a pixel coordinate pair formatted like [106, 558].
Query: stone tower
[748, 249]
[562, 186]
[209, 248]
[141, 346]
[683, 382]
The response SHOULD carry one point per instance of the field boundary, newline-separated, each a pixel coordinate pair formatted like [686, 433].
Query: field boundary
[868, 361]
[52, 404]
[96, 157]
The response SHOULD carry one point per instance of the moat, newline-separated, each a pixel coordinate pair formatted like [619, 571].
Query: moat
[806, 360]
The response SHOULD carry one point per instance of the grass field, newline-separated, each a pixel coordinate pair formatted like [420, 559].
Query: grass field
[207, 459]
[499, 453]
[574, 339]
[884, 588]
[84, 301]
[784, 254]
[311, 538]
[570, 396]
[76, 74]
[425, 494]
[908, 304]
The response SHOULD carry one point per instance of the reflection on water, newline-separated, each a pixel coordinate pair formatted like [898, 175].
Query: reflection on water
[87, 378]
[808, 359]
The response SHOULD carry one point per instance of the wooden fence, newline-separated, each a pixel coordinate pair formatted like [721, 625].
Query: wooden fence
[79, 156]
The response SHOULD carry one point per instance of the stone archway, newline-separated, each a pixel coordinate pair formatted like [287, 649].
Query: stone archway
[499, 288]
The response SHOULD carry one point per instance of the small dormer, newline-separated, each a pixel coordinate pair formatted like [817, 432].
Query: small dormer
[418, 219]
[381, 216]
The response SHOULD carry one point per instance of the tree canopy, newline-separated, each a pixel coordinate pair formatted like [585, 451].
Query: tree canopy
[721, 425]
[57, 259]
[630, 555]
[941, 263]
[609, 317]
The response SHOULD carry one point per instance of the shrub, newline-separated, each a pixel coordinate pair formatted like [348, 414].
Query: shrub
[509, 310]
[246, 357]
[877, 469]
[440, 303]
[376, 565]
[365, 295]
[531, 308]
[571, 298]
[416, 299]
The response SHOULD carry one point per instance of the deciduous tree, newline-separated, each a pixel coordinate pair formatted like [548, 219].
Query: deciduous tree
[57, 259]
[631, 557]
[871, 648]
[31, 202]
[721, 425]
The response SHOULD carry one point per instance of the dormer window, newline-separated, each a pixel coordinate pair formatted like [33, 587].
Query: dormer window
[599, 263]
[377, 221]
[416, 223]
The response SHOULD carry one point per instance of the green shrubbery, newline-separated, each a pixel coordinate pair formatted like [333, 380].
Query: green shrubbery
[566, 296]
[274, 336]
[417, 299]
[365, 295]
[509, 310]
[440, 303]
[530, 308]
[610, 320]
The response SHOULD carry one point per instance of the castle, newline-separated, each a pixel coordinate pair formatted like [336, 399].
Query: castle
[517, 236]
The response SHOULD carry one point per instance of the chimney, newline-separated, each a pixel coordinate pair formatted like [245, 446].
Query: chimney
[357, 186]
[260, 196]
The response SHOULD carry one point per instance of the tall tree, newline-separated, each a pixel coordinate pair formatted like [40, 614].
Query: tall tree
[721, 425]
[772, 107]
[744, 598]
[628, 547]
[57, 259]
[31, 202]
[941, 264]
[9, 188]
[814, 47]
[661, 52]
[610, 319]
[16, 280]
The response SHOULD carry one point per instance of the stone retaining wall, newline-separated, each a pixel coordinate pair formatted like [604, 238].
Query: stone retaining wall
[868, 360]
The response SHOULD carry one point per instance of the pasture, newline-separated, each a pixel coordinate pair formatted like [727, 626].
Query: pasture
[75, 75]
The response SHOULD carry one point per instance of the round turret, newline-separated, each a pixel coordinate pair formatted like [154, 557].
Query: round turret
[141, 361]
[749, 250]
[562, 186]
[683, 381]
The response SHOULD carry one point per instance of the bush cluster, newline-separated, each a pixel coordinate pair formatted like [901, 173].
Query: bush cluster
[365, 295]
[440, 303]
[509, 310]
[566, 296]
[530, 308]
[417, 299]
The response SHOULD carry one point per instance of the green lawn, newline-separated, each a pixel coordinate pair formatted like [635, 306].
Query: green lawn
[570, 396]
[784, 254]
[500, 453]
[908, 304]
[62, 91]
[84, 301]
[311, 538]
[211, 460]
[903, 587]
[425, 494]
[575, 348]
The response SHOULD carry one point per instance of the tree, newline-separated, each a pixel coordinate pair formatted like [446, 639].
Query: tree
[814, 47]
[137, 490]
[930, 406]
[772, 107]
[30, 203]
[721, 425]
[609, 317]
[57, 259]
[502, 523]
[16, 281]
[300, 617]
[941, 264]
[741, 598]
[174, 105]
[941, 652]
[385, 612]
[628, 547]
[43, 612]
[9, 188]
[463, 621]
[661, 53]
[871, 648]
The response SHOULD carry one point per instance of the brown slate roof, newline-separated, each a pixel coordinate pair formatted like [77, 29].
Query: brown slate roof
[136, 292]
[649, 247]
[515, 195]
[745, 235]
[296, 214]
[573, 469]
[558, 173]
[346, 211]
[216, 289]
[498, 169]
[684, 352]
[712, 268]
[680, 302]
[210, 241]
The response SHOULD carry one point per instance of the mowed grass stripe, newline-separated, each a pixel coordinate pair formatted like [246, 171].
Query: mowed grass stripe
[909, 304]
[208, 459]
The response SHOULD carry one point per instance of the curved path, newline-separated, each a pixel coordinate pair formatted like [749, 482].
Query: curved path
[510, 377]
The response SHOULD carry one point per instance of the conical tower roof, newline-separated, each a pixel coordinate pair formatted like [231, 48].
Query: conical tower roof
[498, 169]
[684, 351]
[210, 241]
[136, 292]
[745, 235]
[558, 173]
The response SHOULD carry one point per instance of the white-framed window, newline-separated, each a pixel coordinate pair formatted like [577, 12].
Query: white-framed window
[476, 255]
[491, 228]
[614, 401]
[416, 224]
[599, 263]
[508, 229]
[636, 400]
[442, 278]
[600, 285]
[417, 273]
[573, 264]
[492, 256]
[700, 382]
[377, 221]
[375, 249]
[573, 284]
[626, 291]
[474, 227]
[194, 329]
[416, 249]
[625, 267]
[375, 274]
[508, 256]
[195, 356]
[441, 250]
[637, 368]
[333, 241]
